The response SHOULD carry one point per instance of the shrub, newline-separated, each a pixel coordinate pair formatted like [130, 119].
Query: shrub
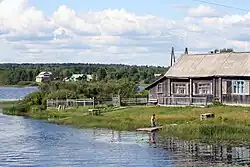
[62, 94]
[35, 98]
[215, 102]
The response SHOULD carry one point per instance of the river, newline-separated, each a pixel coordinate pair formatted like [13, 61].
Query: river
[15, 93]
[26, 142]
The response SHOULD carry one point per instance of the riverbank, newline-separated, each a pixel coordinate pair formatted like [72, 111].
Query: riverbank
[230, 123]
[8, 104]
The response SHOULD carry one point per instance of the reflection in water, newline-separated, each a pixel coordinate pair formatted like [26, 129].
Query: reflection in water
[152, 138]
[183, 153]
[210, 154]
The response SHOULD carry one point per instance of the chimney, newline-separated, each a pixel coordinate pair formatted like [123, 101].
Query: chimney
[172, 57]
[186, 51]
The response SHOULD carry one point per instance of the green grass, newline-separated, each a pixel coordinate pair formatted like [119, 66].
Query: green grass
[7, 104]
[230, 123]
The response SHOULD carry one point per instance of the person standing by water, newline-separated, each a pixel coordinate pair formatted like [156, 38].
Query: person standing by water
[153, 120]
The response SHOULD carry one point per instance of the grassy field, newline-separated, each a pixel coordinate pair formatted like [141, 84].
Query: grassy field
[229, 124]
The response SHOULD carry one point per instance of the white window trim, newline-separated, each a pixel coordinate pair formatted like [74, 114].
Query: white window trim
[244, 87]
[182, 86]
[207, 86]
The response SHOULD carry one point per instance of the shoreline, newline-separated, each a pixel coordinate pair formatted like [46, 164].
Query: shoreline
[19, 85]
[230, 124]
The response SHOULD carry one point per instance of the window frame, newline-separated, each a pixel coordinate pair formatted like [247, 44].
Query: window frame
[178, 87]
[238, 87]
[159, 90]
[204, 88]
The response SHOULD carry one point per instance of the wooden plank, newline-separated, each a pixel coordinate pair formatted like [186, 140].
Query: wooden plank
[151, 129]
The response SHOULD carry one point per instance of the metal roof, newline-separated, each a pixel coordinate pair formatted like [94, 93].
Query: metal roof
[205, 65]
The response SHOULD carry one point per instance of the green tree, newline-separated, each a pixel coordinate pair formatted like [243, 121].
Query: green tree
[101, 74]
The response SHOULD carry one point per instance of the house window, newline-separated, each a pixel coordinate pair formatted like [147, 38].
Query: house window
[238, 87]
[159, 88]
[180, 89]
[204, 88]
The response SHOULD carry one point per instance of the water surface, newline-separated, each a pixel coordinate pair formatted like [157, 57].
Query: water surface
[35, 143]
[15, 93]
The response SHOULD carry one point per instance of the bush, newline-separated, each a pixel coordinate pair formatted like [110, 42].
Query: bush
[215, 102]
[35, 98]
[62, 94]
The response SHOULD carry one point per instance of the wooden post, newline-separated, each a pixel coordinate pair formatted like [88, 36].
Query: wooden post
[119, 100]
[220, 90]
[214, 87]
[93, 102]
[168, 100]
[190, 91]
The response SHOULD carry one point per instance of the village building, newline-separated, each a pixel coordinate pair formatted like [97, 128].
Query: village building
[74, 78]
[78, 77]
[197, 79]
[43, 77]
[89, 77]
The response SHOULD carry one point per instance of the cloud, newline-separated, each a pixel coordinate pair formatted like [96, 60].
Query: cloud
[113, 35]
[202, 11]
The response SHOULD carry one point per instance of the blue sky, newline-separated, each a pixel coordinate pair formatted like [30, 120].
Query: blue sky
[126, 31]
[163, 8]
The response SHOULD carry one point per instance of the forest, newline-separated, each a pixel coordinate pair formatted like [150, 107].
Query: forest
[24, 74]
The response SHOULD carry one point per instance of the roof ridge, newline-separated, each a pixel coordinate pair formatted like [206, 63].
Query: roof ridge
[196, 54]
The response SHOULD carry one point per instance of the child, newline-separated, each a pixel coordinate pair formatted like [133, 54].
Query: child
[153, 121]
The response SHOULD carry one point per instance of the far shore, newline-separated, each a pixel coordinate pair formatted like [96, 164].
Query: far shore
[21, 86]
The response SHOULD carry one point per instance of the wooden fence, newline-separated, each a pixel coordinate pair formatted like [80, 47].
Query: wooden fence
[69, 103]
[116, 101]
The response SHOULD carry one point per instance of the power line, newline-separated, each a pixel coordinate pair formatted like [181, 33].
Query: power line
[222, 5]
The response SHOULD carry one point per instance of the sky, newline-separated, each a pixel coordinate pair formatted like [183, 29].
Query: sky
[140, 32]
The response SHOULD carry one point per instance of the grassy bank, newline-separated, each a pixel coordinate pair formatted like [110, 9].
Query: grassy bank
[230, 123]
[7, 104]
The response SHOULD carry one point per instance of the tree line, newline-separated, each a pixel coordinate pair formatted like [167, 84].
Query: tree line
[12, 74]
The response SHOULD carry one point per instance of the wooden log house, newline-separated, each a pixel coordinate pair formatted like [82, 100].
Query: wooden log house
[197, 79]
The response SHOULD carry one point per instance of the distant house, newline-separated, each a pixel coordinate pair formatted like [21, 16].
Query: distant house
[89, 77]
[157, 75]
[74, 77]
[201, 78]
[43, 77]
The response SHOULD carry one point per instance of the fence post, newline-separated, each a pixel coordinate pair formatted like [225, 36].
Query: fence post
[93, 102]
[119, 100]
